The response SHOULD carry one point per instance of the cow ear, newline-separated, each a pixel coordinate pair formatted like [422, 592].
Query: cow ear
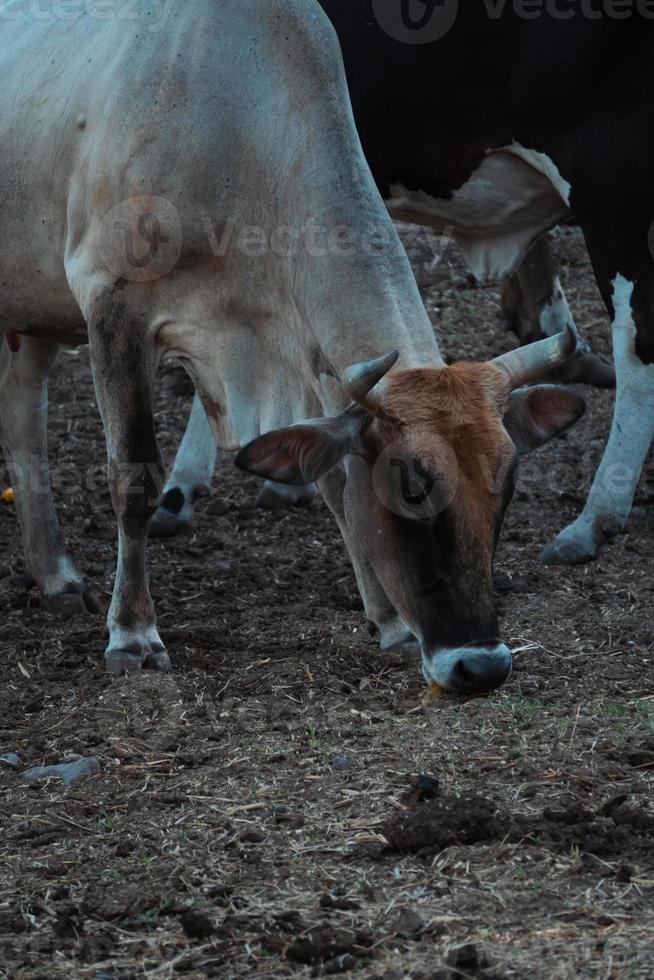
[305, 452]
[534, 415]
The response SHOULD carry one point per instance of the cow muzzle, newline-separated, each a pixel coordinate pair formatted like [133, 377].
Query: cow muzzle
[468, 670]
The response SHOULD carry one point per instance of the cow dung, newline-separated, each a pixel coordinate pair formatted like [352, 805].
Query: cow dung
[443, 822]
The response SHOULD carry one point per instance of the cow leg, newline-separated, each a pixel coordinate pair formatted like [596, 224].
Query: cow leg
[393, 631]
[534, 306]
[124, 368]
[276, 496]
[611, 495]
[23, 432]
[192, 471]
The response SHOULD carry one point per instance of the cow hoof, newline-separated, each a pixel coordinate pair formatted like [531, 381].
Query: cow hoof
[119, 662]
[73, 603]
[167, 525]
[586, 368]
[172, 516]
[575, 545]
[277, 496]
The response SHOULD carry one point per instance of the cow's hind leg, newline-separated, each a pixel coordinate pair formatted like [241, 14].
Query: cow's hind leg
[193, 470]
[277, 496]
[124, 367]
[534, 306]
[611, 495]
[23, 432]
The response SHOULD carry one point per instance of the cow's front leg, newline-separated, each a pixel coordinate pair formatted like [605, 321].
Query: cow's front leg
[611, 495]
[23, 432]
[124, 368]
[393, 631]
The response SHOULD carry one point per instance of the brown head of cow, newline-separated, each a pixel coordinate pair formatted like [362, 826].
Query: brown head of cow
[431, 456]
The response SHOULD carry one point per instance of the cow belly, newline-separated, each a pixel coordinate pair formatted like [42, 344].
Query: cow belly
[50, 312]
[494, 218]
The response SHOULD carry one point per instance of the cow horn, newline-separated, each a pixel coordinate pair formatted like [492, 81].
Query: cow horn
[359, 380]
[533, 361]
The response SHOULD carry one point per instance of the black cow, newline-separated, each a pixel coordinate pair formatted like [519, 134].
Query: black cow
[509, 117]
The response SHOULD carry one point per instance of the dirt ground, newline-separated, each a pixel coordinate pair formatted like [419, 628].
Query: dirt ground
[284, 804]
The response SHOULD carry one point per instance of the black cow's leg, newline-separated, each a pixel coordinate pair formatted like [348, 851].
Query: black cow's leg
[534, 306]
[611, 495]
[392, 629]
[23, 431]
[124, 366]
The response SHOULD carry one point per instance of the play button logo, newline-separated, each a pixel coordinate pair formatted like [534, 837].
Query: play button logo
[416, 21]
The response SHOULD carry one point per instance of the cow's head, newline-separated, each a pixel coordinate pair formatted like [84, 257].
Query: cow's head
[431, 455]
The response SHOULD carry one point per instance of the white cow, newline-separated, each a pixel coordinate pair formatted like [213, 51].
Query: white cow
[200, 190]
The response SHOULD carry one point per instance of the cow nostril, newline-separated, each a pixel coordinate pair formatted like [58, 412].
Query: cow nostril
[461, 674]
[479, 669]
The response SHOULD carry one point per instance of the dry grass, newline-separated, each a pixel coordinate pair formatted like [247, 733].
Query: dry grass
[255, 785]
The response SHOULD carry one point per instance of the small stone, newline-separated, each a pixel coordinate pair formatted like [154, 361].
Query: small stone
[69, 772]
[67, 926]
[340, 964]
[466, 958]
[338, 903]
[341, 763]
[252, 837]
[283, 814]
[502, 582]
[196, 925]
[221, 892]
[424, 788]
[408, 924]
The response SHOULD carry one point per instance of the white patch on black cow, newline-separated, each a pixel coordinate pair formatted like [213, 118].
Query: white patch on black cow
[632, 430]
[495, 217]
[555, 315]
[546, 166]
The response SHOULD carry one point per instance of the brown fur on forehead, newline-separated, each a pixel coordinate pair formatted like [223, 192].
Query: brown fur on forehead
[457, 395]
[463, 405]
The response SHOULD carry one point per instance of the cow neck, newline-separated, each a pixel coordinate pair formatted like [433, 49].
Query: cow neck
[361, 307]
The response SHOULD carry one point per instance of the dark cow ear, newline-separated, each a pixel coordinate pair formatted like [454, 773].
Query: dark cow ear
[305, 452]
[534, 415]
